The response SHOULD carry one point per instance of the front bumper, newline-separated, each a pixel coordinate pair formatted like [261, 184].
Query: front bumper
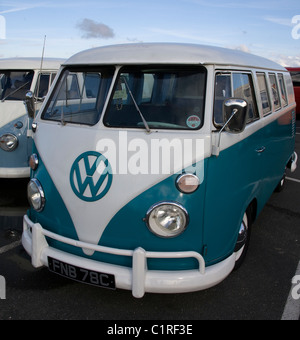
[294, 160]
[138, 279]
[15, 172]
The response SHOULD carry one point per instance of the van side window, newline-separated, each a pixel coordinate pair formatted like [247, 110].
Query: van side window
[42, 85]
[264, 95]
[237, 85]
[275, 92]
[284, 100]
[243, 88]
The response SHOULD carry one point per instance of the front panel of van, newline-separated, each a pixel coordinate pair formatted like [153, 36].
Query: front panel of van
[139, 177]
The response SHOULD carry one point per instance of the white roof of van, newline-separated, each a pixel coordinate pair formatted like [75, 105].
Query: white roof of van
[169, 53]
[30, 63]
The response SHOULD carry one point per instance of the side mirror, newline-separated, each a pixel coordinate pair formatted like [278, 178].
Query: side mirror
[235, 118]
[29, 103]
[235, 115]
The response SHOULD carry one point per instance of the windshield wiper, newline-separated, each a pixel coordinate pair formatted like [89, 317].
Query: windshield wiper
[136, 106]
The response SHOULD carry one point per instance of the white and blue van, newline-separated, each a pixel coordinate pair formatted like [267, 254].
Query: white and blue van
[151, 161]
[17, 77]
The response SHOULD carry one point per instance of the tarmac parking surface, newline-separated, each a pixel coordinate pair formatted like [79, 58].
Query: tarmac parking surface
[259, 290]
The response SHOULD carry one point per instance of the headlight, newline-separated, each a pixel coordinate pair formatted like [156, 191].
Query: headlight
[8, 142]
[167, 219]
[35, 194]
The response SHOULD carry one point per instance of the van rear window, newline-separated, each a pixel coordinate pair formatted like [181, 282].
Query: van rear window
[165, 97]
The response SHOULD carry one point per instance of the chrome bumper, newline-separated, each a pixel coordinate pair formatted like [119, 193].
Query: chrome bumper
[138, 279]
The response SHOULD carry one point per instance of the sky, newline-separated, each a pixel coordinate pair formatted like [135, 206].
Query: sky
[269, 28]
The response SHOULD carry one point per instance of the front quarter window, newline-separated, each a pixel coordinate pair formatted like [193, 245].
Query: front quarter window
[79, 96]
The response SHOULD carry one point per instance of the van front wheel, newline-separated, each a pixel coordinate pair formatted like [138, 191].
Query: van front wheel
[243, 241]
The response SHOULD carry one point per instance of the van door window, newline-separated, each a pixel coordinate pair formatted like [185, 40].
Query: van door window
[275, 92]
[44, 82]
[264, 94]
[42, 85]
[237, 85]
[168, 97]
[243, 88]
[284, 100]
[79, 96]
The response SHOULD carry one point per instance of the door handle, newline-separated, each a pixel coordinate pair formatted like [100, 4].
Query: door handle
[260, 150]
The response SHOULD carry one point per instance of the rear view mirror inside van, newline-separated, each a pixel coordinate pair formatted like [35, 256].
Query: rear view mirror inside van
[235, 115]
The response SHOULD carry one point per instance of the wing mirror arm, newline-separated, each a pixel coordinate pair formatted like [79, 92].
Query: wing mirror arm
[234, 115]
[29, 104]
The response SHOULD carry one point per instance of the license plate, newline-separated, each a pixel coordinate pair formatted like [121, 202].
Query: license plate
[81, 275]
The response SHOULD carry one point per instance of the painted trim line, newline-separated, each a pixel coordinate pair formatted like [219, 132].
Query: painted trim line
[137, 279]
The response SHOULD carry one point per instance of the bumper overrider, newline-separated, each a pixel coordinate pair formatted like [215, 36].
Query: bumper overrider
[138, 279]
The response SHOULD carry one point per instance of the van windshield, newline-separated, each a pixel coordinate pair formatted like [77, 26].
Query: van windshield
[167, 97]
[15, 84]
[79, 96]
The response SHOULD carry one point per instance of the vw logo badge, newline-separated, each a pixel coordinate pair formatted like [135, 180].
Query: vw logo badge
[91, 176]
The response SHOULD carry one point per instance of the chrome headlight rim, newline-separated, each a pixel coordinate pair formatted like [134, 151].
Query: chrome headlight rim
[4, 142]
[160, 231]
[40, 204]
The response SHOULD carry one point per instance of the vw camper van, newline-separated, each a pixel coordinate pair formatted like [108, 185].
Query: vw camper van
[17, 77]
[151, 162]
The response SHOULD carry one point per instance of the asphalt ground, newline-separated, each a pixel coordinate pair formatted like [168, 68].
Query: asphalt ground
[259, 290]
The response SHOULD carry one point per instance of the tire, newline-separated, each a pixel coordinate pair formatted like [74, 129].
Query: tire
[243, 240]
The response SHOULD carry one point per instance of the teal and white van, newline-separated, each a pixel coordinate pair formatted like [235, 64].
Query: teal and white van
[151, 161]
[17, 77]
